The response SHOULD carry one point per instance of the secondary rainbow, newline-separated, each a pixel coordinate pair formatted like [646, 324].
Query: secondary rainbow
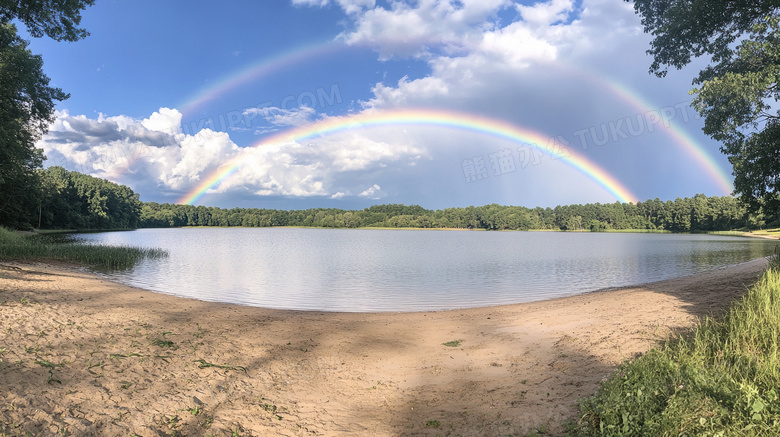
[274, 64]
[257, 70]
[422, 117]
[695, 150]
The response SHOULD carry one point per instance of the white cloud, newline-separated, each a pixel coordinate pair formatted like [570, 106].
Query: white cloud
[166, 120]
[283, 117]
[494, 57]
[427, 88]
[129, 151]
[423, 27]
[111, 146]
[372, 192]
[349, 6]
[545, 14]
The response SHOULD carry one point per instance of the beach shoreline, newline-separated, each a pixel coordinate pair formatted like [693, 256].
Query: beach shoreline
[85, 355]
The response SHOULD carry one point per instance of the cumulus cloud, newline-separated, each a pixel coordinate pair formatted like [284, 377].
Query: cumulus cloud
[545, 14]
[432, 28]
[153, 153]
[506, 57]
[423, 27]
[372, 192]
[110, 146]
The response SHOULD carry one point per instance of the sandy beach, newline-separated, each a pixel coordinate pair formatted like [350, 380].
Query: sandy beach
[83, 356]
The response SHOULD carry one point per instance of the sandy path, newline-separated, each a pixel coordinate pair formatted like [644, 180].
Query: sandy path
[91, 357]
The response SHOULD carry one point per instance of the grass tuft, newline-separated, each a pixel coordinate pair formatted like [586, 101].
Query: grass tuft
[723, 379]
[205, 364]
[14, 246]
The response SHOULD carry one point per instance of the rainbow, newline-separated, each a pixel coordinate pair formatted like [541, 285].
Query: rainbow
[422, 117]
[287, 59]
[702, 157]
[271, 65]
[689, 145]
[257, 70]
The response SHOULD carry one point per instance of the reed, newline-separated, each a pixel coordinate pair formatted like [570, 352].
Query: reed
[15, 246]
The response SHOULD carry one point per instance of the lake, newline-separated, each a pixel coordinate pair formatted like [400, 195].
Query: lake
[411, 270]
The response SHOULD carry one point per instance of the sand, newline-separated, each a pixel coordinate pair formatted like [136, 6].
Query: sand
[85, 356]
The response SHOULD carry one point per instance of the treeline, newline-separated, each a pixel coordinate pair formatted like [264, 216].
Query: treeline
[700, 213]
[72, 200]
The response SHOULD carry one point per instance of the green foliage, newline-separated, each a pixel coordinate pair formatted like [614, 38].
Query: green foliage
[72, 200]
[27, 100]
[17, 247]
[432, 424]
[774, 260]
[697, 214]
[722, 380]
[685, 29]
[736, 98]
[26, 110]
[738, 90]
[58, 19]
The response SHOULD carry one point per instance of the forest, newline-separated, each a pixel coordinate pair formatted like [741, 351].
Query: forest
[696, 214]
[71, 200]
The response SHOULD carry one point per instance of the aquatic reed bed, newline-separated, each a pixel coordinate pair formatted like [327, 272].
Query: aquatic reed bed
[15, 246]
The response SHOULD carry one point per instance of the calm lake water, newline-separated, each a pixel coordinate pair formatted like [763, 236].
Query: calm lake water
[400, 270]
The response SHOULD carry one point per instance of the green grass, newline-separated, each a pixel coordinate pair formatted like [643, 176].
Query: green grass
[721, 380]
[203, 364]
[637, 231]
[774, 232]
[432, 424]
[15, 246]
[728, 233]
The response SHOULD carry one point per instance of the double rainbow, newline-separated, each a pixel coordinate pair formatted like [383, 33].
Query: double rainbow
[422, 117]
[274, 64]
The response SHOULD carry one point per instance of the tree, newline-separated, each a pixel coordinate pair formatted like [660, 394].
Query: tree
[57, 19]
[72, 200]
[736, 91]
[27, 100]
[26, 110]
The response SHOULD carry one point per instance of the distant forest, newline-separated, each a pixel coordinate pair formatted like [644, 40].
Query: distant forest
[71, 200]
[699, 213]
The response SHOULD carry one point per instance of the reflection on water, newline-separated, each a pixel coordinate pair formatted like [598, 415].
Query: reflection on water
[399, 270]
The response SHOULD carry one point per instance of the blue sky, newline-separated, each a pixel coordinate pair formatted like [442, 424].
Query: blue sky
[575, 71]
